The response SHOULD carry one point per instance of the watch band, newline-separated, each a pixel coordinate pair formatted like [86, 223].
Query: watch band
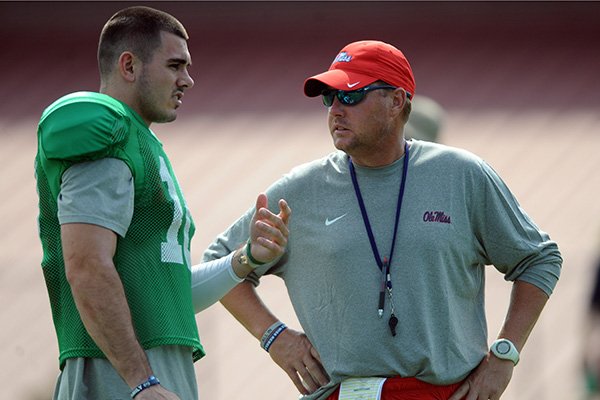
[505, 350]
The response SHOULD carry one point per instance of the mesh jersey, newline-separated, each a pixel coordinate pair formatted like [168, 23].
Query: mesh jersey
[153, 258]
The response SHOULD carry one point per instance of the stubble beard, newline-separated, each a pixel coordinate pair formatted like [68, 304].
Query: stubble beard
[149, 103]
[357, 146]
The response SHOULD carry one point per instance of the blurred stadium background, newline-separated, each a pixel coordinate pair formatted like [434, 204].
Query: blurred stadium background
[518, 81]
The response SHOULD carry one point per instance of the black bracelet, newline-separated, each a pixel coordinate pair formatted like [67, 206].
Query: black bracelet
[151, 381]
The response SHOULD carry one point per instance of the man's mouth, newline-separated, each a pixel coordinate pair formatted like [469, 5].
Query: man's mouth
[338, 128]
[178, 96]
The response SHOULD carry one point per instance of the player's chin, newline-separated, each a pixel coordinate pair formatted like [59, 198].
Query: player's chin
[167, 117]
[171, 112]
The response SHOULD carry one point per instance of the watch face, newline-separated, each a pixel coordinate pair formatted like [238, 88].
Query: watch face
[503, 348]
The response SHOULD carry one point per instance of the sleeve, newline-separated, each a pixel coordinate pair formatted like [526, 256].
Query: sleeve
[211, 280]
[510, 239]
[230, 239]
[97, 192]
[82, 129]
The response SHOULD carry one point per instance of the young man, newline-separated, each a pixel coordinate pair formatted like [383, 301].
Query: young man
[385, 262]
[115, 228]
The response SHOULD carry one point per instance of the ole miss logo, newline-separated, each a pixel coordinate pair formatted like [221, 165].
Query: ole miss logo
[436, 216]
[343, 57]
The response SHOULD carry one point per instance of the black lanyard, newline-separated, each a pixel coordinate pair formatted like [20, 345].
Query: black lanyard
[383, 264]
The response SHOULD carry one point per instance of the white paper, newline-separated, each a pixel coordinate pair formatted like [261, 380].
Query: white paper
[361, 389]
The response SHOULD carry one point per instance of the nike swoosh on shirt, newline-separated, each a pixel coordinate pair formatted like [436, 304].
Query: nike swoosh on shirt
[351, 85]
[329, 222]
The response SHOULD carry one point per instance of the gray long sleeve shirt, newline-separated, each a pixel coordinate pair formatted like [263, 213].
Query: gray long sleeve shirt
[457, 217]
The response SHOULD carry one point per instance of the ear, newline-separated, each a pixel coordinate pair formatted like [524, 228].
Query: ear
[128, 66]
[399, 100]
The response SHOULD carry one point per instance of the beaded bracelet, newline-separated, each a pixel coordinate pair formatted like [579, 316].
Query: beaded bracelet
[271, 334]
[151, 381]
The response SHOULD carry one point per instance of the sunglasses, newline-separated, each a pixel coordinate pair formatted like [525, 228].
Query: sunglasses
[351, 98]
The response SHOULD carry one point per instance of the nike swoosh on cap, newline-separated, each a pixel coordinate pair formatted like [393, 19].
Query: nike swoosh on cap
[329, 222]
[351, 85]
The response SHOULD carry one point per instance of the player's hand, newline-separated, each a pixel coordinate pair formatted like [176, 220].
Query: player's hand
[294, 353]
[488, 381]
[156, 392]
[268, 231]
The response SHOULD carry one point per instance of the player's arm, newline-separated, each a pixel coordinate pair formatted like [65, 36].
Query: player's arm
[100, 298]
[492, 376]
[291, 350]
[101, 302]
[89, 249]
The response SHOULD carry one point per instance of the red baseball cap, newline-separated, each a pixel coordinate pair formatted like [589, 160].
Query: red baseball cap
[361, 63]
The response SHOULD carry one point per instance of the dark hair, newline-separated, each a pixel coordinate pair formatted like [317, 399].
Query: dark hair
[135, 29]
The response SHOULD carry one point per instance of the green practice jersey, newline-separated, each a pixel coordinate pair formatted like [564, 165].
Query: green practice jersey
[153, 258]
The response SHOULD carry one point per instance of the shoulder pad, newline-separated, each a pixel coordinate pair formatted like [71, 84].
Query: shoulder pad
[82, 126]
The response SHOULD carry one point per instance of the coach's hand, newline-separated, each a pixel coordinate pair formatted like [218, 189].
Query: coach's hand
[294, 353]
[488, 381]
[268, 231]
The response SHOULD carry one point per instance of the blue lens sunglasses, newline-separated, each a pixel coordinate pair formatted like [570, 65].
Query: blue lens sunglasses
[353, 97]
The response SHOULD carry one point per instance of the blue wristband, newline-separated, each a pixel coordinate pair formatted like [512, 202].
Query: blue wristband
[151, 381]
[267, 344]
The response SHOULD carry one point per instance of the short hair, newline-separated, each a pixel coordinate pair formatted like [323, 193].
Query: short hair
[135, 29]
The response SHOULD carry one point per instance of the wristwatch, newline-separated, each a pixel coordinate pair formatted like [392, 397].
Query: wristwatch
[246, 257]
[505, 350]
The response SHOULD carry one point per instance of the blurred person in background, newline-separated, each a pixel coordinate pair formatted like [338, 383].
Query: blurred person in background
[426, 119]
[115, 228]
[385, 263]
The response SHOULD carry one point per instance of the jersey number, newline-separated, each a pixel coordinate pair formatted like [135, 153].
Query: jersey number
[171, 250]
